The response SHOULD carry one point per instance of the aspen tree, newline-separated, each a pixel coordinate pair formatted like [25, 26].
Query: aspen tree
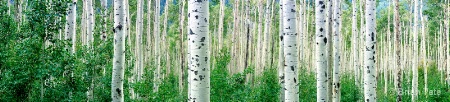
[139, 65]
[281, 55]
[165, 42]
[260, 40]
[337, 56]
[329, 53]
[71, 24]
[321, 57]
[156, 46]
[221, 17]
[387, 57]
[398, 70]
[290, 50]
[424, 44]
[182, 65]
[415, 62]
[199, 71]
[119, 52]
[370, 83]
[148, 53]
[90, 23]
[104, 4]
[266, 35]
[355, 41]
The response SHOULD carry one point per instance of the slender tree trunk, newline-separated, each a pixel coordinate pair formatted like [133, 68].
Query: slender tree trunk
[321, 55]
[157, 56]
[165, 46]
[119, 52]
[370, 83]
[266, 36]
[180, 77]
[336, 49]
[104, 11]
[260, 40]
[199, 71]
[329, 52]
[71, 24]
[222, 15]
[90, 22]
[424, 47]
[398, 72]
[149, 47]
[281, 55]
[355, 42]
[415, 67]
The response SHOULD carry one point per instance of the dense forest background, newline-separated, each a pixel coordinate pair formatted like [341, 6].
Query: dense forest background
[37, 65]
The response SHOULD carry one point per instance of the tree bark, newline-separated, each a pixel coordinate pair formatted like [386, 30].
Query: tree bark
[71, 24]
[90, 23]
[355, 42]
[156, 46]
[370, 83]
[199, 71]
[104, 11]
[415, 63]
[291, 50]
[119, 52]
[281, 55]
[180, 77]
[321, 55]
[337, 56]
[398, 85]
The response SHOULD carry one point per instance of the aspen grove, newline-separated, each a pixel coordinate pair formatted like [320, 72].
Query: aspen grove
[225, 50]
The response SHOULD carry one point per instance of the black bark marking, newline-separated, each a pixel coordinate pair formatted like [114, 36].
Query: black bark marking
[191, 32]
[281, 38]
[292, 10]
[320, 2]
[325, 40]
[201, 77]
[199, 1]
[202, 39]
[295, 80]
[118, 91]
[321, 29]
[206, 20]
[292, 68]
[196, 16]
[372, 36]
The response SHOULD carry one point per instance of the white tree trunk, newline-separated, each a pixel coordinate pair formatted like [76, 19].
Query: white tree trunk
[199, 71]
[266, 52]
[290, 50]
[90, 23]
[222, 14]
[156, 46]
[138, 66]
[321, 55]
[355, 42]
[424, 47]
[281, 55]
[415, 63]
[119, 52]
[182, 49]
[329, 52]
[336, 49]
[71, 24]
[104, 4]
[370, 83]
[398, 70]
